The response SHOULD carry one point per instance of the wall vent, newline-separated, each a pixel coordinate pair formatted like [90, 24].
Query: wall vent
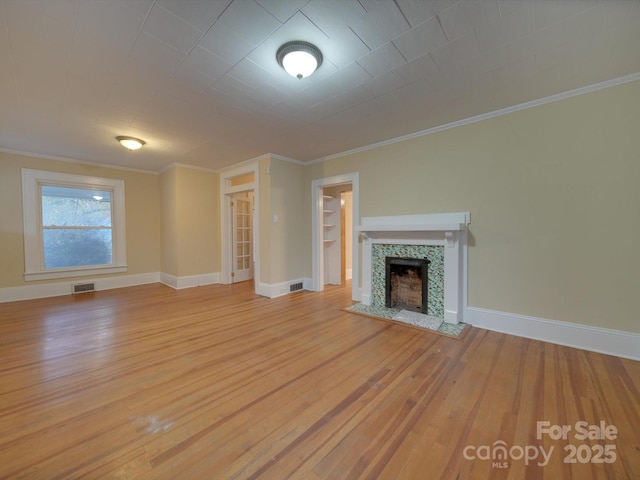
[83, 287]
[295, 287]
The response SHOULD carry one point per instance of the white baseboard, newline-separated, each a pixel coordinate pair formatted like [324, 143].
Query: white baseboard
[595, 339]
[273, 290]
[54, 289]
[190, 280]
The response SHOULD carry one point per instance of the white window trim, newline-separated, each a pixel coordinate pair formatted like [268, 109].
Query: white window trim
[31, 216]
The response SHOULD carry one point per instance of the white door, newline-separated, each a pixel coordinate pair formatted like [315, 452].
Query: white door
[242, 262]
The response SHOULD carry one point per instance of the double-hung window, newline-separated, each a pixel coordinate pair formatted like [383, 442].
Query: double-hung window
[73, 225]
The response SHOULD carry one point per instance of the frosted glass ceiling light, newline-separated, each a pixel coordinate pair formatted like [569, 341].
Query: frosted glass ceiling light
[131, 143]
[299, 59]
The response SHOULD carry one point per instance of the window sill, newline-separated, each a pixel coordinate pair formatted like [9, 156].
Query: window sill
[74, 272]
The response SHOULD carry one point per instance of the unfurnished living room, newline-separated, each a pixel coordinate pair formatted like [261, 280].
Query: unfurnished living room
[319, 239]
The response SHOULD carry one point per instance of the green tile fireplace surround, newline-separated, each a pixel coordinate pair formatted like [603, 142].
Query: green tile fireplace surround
[441, 238]
[434, 253]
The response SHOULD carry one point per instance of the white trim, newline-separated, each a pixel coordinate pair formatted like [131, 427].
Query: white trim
[280, 289]
[244, 163]
[317, 263]
[55, 289]
[484, 116]
[79, 162]
[75, 272]
[287, 159]
[184, 165]
[189, 281]
[595, 339]
[32, 223]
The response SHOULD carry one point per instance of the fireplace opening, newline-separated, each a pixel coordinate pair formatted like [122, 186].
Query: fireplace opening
[406, 283]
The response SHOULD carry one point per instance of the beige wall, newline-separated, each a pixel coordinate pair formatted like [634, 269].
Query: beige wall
[554, 201]
[191, 221]
[264, 170]
[286, 190]
[142, 197]
[169, 209]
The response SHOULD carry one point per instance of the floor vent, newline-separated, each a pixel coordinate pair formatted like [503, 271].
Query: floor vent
[295, 287]
[83, 287]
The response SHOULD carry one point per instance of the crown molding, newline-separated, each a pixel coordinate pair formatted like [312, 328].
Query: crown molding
[496, 113]
[184, 165]
[72, 160]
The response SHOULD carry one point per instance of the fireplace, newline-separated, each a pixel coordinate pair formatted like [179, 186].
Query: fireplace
[406, 283]
[406, 233]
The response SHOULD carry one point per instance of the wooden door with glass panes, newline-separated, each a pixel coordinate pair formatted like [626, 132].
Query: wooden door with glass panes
[242, 239]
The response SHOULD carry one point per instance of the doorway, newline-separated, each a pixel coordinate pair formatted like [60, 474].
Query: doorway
[337, 233]
[240, 227]
[242, 215]
[335, 214]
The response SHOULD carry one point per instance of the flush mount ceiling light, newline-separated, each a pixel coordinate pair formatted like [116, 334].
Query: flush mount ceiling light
[131, 143]
[299, 59]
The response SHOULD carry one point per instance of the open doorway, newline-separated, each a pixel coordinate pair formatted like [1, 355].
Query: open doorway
[334, 243]
[337, 233]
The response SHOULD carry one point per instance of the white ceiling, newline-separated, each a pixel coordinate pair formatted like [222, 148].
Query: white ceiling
[198, 79]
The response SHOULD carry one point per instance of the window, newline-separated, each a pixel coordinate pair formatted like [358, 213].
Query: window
[73, 225]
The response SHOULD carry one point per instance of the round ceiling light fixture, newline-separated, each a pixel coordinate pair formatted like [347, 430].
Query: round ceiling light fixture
[299, 59]
[131, 143]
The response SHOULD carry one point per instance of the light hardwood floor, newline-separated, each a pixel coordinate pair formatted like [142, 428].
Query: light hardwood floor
[217, 383]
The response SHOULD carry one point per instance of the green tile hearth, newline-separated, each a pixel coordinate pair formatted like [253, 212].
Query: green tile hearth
[388, 313]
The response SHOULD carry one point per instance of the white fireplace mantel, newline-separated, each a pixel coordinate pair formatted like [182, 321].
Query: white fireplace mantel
[446, 229]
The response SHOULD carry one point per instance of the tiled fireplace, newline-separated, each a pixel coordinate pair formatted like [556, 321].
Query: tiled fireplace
[441, 238]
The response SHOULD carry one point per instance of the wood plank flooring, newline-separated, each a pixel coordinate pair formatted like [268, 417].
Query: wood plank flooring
[217, 383]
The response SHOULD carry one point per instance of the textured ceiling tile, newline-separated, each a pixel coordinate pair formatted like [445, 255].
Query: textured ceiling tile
[456, 51]
[169, 28]
[155, 54]
[416, 11]
[225, 43]
[345, 78]
[383, 23]
[504, 29]
[382, 84]
[343, 48]
[249, 21]
[382, 60]
[548, 13]
[332, 16]
[282, 9]
[204, 61]
[190, 79]
[460, 19]
[421, 39]
[339, 103]
[111, 22]
[417, 70]
[486, 61]
[200, 13]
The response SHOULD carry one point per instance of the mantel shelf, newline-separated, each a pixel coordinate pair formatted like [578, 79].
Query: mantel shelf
[444, 227]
